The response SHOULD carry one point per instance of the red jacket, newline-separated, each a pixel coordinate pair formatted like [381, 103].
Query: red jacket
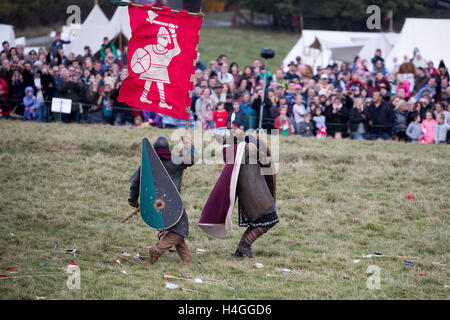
[277, 124]
[220, 118]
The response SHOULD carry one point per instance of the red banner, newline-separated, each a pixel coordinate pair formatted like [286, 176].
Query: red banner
[162, 54]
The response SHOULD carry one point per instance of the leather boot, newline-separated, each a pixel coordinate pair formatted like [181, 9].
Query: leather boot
[243, 250]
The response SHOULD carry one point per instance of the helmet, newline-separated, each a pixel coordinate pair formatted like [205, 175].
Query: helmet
[164, 33]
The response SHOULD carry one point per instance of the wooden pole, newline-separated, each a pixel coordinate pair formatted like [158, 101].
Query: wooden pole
[130, 215]
[195, 14]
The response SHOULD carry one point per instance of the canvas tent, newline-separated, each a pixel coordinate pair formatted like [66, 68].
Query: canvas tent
[7, 34]
[383, 41]
[92, 35]
[430, 36]
[96, 17]
[322, 47]
[120, 24]
[91, 32]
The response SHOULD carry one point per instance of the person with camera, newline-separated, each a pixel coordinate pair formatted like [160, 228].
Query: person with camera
[106, 103]
[336, 118]
[70, 88]
[267, 120]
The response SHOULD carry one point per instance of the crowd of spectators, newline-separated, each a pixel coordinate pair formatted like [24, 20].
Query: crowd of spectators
[409, 103]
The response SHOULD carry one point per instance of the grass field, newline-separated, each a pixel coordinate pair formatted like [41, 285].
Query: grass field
[338, 200]
[243, 45]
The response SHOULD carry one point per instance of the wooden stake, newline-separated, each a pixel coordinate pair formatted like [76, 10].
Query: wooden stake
[130, 215]
[1, 257]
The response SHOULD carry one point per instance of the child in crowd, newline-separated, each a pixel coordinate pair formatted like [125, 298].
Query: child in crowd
[283, 123]
[220, 115]
[209, 117]
[440, 129]
[238, 118]
[319, 120]
[307, 126]
[299, 112]
[31, 104]
[414, 131]
[138, 122]
[427, 127]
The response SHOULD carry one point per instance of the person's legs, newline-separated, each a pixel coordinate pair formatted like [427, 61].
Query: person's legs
[374, 136]
[169, 240]
[248, 238]
[183, 252]
[145, 92]
[357, 136]
[385, 135]
[26, 114]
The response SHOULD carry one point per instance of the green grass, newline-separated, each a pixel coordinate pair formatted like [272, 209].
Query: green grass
[243, 45]
[338, 201]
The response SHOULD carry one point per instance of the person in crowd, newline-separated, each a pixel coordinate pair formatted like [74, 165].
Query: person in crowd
[267, 120]
[404, 84]
[381, 118]
[31, 104]
[238, 118]
[418, 60]
[381, 79]
[292, 72]
[220, 116]
[70, 87]
[283, 123]
[319, 121]
[107, 45]
[204, 109]
[440, 109]
[400, 121]
[420, 79]
[414, 131]
[441, 129]
[299, 112]
[337, 116]
[355, 82]
[224, 76]
[427, 127]
[377, 57]
[57, 45]
[430, 87]
[358, 118]
[306, 127]
[246, 105]
[105, 102]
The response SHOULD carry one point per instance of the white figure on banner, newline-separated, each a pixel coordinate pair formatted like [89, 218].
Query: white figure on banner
[152, 61]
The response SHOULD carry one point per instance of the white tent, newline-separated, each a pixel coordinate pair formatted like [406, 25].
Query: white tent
[383, 41]
[430, 36]
[91, 33]
[21, 41]
[322, 47]
[91, 36]
[120, 22]
[96, 17]
[7, 34]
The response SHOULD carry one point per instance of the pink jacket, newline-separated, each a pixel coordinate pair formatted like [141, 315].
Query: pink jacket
[405, 85]
[427, 129]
